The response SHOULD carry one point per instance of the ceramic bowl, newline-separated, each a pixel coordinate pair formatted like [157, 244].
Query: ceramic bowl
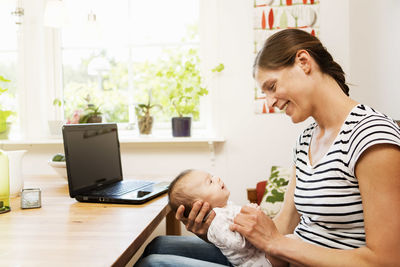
[60, 167]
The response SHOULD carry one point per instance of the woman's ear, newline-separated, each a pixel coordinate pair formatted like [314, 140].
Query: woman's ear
[303, 59]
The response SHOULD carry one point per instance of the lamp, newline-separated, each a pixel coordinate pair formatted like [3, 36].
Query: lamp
[92, 28]
[55, 15]
[99, 66]
[19, 13]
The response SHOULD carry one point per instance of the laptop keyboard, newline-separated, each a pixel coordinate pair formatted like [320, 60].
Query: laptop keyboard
[121, 188]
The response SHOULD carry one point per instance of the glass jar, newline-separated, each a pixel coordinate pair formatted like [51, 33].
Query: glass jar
[4, 183]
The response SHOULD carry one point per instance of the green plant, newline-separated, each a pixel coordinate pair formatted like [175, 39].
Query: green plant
[58, 105]
[58, 157]
[180, 76]
[275, 189]
[145, 119]
[57, 102]
[277, 184]
[143, 110]
[113, 99]
[4, 112]
[91, 113]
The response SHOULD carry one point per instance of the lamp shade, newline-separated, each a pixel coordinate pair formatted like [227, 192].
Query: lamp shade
[55, 14]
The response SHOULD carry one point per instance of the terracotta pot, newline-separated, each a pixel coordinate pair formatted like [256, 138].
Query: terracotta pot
[95, 119]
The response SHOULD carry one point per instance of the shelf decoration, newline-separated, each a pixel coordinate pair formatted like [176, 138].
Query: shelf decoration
[271, 16]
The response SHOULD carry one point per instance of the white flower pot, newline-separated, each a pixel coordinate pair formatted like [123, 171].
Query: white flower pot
[55, 127]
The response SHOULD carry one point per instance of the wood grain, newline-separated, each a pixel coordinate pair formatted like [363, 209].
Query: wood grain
[65, 232]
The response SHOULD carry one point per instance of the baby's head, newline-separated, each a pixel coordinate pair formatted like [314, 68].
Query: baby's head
[192, 185]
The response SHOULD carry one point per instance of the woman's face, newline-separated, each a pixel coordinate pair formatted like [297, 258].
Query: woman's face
[287, 89]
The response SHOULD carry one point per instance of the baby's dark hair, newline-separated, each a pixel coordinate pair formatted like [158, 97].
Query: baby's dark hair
[178, 196]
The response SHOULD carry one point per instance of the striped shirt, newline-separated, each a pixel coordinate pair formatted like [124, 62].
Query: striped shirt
[327, 195]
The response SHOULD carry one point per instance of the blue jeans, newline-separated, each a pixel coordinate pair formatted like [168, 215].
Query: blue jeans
[181, 251]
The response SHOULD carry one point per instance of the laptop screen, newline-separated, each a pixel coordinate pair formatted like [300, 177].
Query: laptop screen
[92, 154]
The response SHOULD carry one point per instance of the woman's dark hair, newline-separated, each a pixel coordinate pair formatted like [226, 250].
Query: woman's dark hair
[280, 51]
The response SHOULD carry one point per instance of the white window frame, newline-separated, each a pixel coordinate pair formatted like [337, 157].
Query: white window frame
[40, 70]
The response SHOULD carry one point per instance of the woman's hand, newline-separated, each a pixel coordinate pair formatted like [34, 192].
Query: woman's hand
[194, 222]
[256, 226]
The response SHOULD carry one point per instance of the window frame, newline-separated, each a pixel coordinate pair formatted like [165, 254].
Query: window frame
[130, 47]
[35, 102]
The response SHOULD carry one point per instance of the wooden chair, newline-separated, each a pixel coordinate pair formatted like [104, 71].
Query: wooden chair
[254, 195]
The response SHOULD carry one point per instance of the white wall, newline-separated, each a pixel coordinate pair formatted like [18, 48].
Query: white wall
[334, 21]
[255, 142]
[375, 54]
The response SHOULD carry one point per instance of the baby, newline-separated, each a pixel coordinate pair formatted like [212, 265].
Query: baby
[192, 185]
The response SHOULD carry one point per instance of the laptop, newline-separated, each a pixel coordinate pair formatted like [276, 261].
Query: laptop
[93, 160]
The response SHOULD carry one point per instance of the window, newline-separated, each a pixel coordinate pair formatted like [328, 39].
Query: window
[8, 57]
[108, 46]
[109, 59]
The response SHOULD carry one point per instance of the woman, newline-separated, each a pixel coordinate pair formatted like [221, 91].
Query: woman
[343, 203]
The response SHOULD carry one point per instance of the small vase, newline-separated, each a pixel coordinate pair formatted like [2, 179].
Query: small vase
[145, 125]
[4, 183]
[4, 134]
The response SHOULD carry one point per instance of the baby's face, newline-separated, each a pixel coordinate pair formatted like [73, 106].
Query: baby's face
[207, 188]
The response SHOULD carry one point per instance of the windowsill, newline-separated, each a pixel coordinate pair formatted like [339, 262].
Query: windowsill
[123, 139]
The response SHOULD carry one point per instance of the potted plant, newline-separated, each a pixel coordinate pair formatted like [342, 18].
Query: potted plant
[184, 85]
[5, 114]
[91, 113]
[145, 120]
[55, 126]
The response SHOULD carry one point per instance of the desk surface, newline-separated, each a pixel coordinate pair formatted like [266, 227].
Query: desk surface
[64, 232]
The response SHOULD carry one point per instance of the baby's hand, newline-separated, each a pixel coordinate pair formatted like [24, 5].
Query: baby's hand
[253, 205]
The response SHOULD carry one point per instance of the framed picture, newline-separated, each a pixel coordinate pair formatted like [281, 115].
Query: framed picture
[271, 16]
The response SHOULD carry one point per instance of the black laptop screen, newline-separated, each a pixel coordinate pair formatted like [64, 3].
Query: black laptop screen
[93, 155]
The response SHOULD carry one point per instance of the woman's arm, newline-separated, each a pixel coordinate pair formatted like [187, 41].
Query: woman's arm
[378, 173]
[288, 217]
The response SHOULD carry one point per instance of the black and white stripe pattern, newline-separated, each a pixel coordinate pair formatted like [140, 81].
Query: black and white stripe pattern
[327, 195]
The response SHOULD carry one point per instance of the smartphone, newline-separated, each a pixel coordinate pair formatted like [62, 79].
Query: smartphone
[207, 215]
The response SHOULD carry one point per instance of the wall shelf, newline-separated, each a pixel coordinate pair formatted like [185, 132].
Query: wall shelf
[210, 141]
[123, 140]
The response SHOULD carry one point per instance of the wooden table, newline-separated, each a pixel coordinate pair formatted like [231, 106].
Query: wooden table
[64, 232]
